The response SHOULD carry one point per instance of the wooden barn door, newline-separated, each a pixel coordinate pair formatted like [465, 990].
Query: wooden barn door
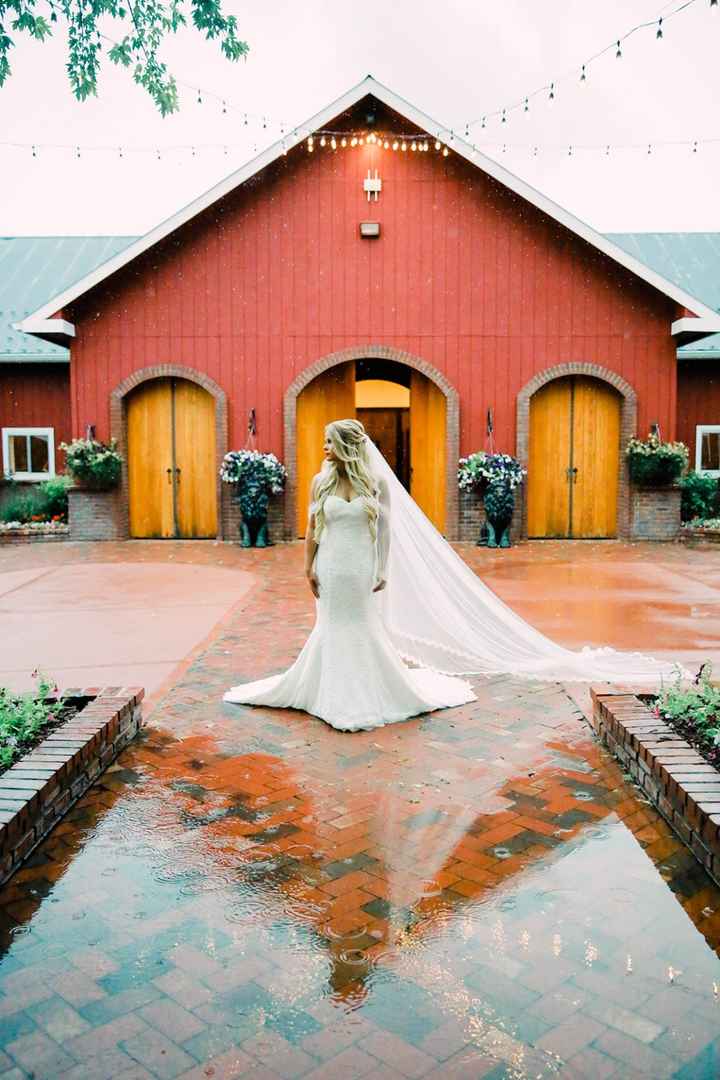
[574, 459]
[331, 396]
[428, 447]
[171, 461]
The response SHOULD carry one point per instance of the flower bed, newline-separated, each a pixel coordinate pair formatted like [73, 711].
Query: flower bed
[38, 788]
[676, 778]
[20, 532]
[694, 714]
[702, 529]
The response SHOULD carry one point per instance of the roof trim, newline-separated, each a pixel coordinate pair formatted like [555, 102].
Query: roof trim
[367, 86]
[691, 329]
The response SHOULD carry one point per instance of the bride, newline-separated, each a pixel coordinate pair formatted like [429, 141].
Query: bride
[390, 589]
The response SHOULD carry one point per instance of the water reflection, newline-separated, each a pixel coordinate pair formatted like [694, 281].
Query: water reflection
[334, 894]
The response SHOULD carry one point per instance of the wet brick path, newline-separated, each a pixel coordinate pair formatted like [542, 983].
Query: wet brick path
[473, 893]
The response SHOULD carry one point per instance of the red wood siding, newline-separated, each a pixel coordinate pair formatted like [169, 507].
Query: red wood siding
[466, 275]
[37, 395]
[698, 399]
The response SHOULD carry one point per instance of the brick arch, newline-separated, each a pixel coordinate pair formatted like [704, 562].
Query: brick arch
[628, 424]
[118, 420]
[374, 352]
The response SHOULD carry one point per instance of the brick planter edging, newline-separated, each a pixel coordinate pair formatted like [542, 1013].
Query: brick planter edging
[37, 791]
[682, 786]
[16, 536]
[710, 536]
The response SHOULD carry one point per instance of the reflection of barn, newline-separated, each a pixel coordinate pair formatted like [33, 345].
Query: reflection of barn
[478, 294]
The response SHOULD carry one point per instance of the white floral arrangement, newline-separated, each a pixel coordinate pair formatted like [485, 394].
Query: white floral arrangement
[253, 465]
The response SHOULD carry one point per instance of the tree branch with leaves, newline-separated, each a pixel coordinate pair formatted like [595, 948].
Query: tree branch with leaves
[150, 22]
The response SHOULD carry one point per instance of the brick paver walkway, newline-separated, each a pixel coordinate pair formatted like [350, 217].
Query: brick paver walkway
[473, 893]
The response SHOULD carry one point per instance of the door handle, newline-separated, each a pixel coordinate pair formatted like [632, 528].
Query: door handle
[169, 475]
[177, 470]
[571, 474]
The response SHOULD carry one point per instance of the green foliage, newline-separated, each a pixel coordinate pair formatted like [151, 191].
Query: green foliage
[653, 461]
[95, 464]
[47, 501]
[700, 496]
[147, 22]
[695, 712]
[22, 716]
[256, 476]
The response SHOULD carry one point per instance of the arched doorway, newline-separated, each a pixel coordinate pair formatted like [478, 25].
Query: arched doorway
[171, 460]
[405, 412]
[574, 459]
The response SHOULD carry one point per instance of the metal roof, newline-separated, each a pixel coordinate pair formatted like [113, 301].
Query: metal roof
[692, 260]
[32, 268]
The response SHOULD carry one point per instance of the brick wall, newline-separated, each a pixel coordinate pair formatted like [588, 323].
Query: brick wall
[655, 513]
[97, 515]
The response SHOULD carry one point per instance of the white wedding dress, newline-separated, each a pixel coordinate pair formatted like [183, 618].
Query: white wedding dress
[348, 672]
[434, 612]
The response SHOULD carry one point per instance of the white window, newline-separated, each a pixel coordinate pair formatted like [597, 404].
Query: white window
[707, 449]
[28, 452]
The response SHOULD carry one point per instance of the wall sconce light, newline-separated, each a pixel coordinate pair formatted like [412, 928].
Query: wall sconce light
[370, 229]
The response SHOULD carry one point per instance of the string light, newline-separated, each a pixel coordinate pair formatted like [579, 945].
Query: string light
[657, 24]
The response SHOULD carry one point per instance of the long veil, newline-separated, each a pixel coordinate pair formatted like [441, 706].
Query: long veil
[439, 613]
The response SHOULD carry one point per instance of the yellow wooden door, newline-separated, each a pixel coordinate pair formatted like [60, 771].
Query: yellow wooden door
[574, 459]
[195, 465]
[150, 460]
[171, 460]
[330, 396]
[596, 457]
[548, 491]
[428, 444]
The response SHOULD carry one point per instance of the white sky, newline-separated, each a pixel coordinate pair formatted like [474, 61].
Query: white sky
[454, 60]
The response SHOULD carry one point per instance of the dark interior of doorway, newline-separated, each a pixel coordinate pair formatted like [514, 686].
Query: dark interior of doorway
[388, 427]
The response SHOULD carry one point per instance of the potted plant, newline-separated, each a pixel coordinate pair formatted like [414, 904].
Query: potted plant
[654, 463]
[96, 465]
[256, 476]
[494, 477]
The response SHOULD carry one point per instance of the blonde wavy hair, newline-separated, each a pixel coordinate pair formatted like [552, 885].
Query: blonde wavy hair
[348, 440]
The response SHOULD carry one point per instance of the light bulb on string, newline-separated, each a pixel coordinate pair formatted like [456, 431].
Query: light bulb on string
[333, 143]
[482, 125]
[659, 33]
[713, 3]
[569, 151]
[527, 106]
[395, 145]
[467, 130]
[695, 147]
[437, 144]
[77, 151]
[322, 140]
[403, 145]
[245, 121]
[199, 98]
[119, 151]
[504, 116]
[386, 144]
[353, 141]
[551, 95]
[413, 145]
[361, 141]
[649, 149]
[445, 151]
[224, 107]
[618, 54]
[583, 76]
[343, 142]
[34, 154]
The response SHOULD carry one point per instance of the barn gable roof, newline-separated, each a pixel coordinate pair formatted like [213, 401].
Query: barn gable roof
[42, 324]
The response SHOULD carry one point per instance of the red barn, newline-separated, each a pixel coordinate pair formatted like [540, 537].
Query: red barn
[373, 264]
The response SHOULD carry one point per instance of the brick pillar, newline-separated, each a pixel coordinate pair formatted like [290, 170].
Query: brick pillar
[97, 515]
[655, 512]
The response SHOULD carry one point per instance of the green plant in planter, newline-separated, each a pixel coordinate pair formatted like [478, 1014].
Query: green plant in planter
[95, 465]
[494, 477]
[654, 462]
[700, 496]
[256, 477]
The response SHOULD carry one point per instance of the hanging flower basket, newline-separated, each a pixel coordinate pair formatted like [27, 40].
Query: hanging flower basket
[95, 465]
[494, 477]
[654, 463]
[255, 476]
